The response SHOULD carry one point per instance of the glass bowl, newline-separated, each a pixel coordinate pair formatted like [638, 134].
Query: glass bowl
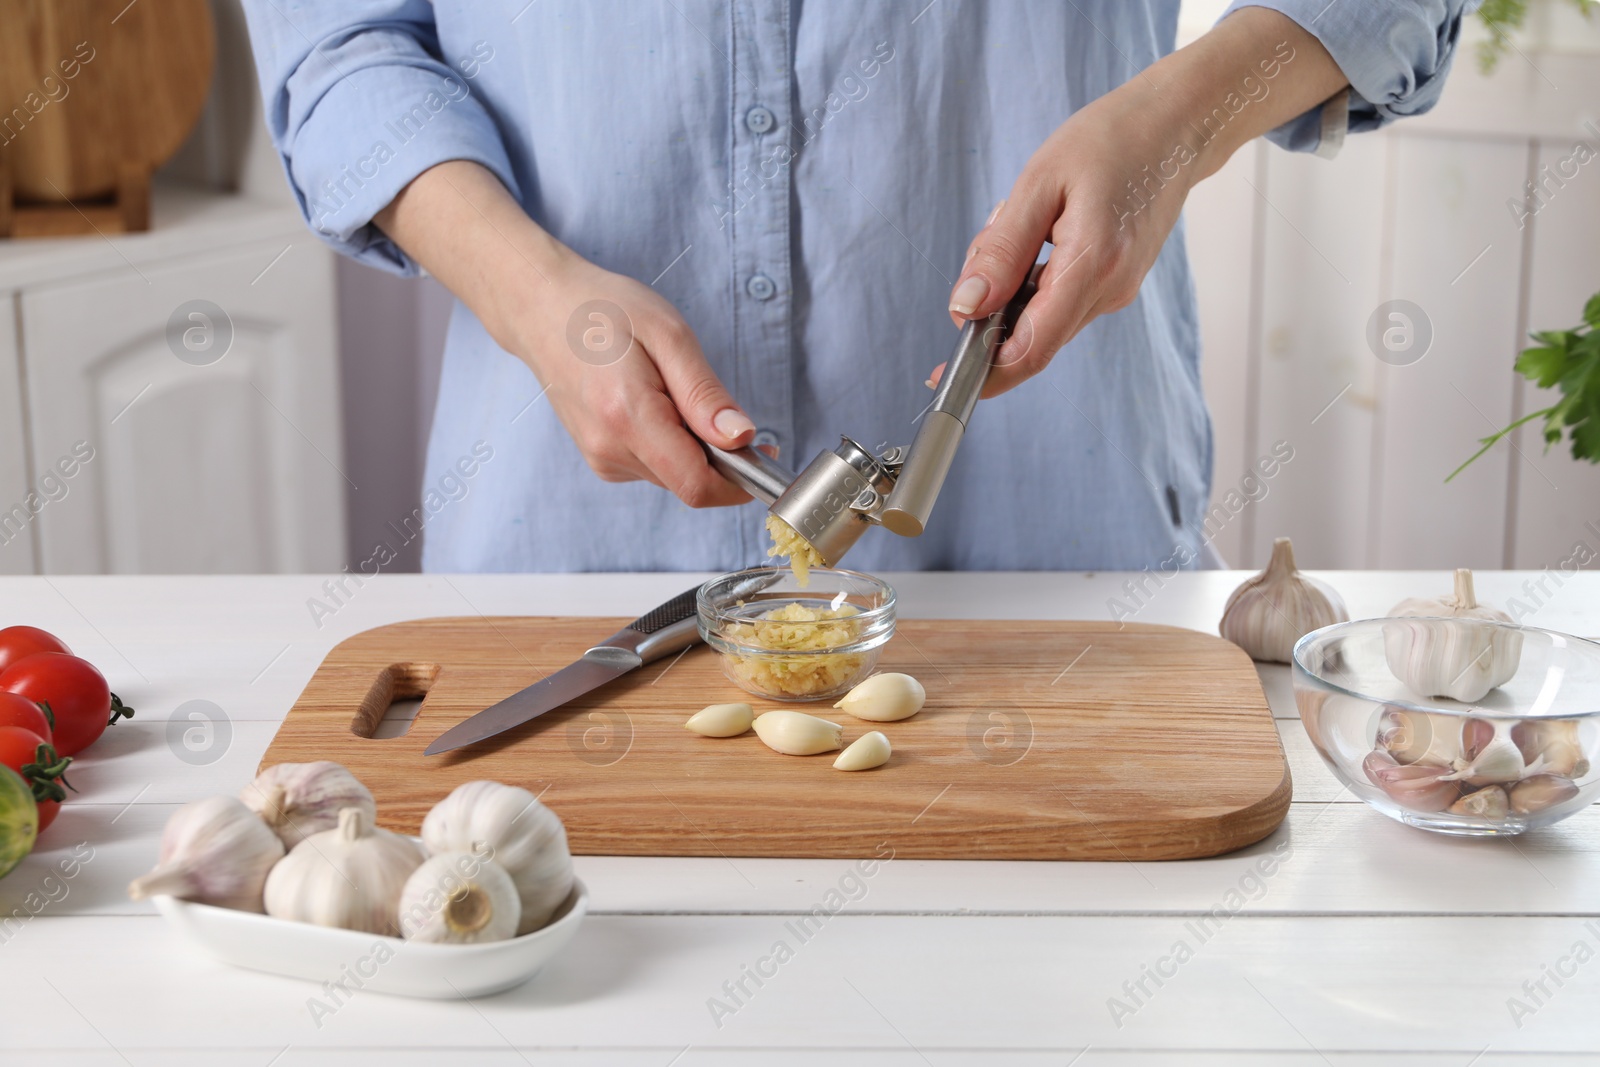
[1514, 748]
[801, 657]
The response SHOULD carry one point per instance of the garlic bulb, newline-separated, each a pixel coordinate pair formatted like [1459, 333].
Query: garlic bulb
[213, 851]
[1418, 786]
[301, 799]
[1270, 612]
[795, 733]
[510, 826]
[885, 698]
[722, 720]
[459, 898]
[865, 752]
[349, 877]
[1451, 647]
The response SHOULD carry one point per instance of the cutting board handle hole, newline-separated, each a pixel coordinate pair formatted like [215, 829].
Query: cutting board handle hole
[394, 700]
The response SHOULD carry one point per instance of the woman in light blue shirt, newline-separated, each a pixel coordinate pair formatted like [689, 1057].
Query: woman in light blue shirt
[755, 221]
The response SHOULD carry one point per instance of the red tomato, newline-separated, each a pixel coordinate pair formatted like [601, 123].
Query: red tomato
[77, 694]
[20, 711]
[19, 642]
[21, 749]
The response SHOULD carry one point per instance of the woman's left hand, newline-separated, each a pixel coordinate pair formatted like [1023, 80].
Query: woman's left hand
[1108, 185]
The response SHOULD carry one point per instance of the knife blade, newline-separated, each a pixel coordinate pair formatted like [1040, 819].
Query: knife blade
[668, 628]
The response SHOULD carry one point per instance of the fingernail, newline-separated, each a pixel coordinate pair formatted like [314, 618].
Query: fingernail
[931, 384]
[731, 422]
[996, 212]
[968, 295]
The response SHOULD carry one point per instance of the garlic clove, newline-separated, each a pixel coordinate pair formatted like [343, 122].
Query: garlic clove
[1451, 646]
[301, 799]
[722, 720]
[1487, 803]
[1268, 613]
[459, 898]
[1417, 786]
[213, 851]
[1551, 746]
[349, 877]
[1488, 755]
[865, 753]
[884, 698]
[1418, 737]
[795, 733]
[510, 825]
[1542, 791]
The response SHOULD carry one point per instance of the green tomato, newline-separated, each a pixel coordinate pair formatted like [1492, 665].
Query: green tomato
[19, 820]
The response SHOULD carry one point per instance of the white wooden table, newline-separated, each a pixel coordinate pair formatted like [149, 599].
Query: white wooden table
[1369, 942]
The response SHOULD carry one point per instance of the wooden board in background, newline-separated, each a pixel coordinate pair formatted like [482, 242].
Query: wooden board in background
[1040, 740]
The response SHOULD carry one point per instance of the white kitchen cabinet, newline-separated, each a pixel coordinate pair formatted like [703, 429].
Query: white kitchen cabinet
[183, 465]
[16, 512]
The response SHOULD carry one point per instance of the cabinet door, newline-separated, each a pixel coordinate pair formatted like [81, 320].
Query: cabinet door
[17, 507]
[207, 433]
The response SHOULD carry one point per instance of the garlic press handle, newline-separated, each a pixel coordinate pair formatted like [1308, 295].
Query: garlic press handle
[752, 470]
[927, 463]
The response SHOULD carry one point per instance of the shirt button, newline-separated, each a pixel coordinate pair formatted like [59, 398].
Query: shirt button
[761, 287]
[759, 120]
[765, 437]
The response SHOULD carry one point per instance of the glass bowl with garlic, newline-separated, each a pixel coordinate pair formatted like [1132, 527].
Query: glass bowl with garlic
[1461, 725]
[782, 640]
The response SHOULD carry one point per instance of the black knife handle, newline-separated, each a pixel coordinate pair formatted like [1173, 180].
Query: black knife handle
[677, 609]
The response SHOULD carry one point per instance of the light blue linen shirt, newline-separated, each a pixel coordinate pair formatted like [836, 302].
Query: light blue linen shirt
[800, 179]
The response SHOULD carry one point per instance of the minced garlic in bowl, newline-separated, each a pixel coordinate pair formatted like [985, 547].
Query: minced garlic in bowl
[784, 643]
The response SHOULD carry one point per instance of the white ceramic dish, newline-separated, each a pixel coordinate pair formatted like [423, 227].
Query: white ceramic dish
[355, 960]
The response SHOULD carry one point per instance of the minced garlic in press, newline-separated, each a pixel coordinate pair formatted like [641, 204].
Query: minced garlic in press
[788, 543]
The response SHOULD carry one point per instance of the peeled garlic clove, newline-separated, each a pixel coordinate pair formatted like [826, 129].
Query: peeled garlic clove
[1489, 803]
[1452, 646]
[1488, 755]
[1270, 612]
[301, 799]
[509, 824]
[349, 877]
[1540, 792]
[1416, 786]
[795, 733]
[865, 752]
[1551, 746]
[459, 898]
[1417, 737]
[885, 698]
[721, 720]
[213, 851]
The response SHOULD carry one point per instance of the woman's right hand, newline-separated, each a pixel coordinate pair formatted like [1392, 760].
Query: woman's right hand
[618, 363]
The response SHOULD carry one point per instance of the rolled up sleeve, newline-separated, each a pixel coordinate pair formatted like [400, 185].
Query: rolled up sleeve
[1396, 54]
[359, 101]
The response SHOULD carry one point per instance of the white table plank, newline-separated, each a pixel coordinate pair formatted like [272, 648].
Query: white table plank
[664, 1056]
[1328, 859]
[1038, 982]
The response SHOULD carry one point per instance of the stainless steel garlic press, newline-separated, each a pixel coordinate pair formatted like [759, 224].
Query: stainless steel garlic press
[846, 491]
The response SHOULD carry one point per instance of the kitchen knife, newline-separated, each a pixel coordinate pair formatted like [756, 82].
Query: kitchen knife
[667, 629]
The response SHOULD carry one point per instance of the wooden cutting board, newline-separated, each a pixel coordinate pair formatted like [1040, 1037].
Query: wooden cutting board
[94, 96]
[1039, 740]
